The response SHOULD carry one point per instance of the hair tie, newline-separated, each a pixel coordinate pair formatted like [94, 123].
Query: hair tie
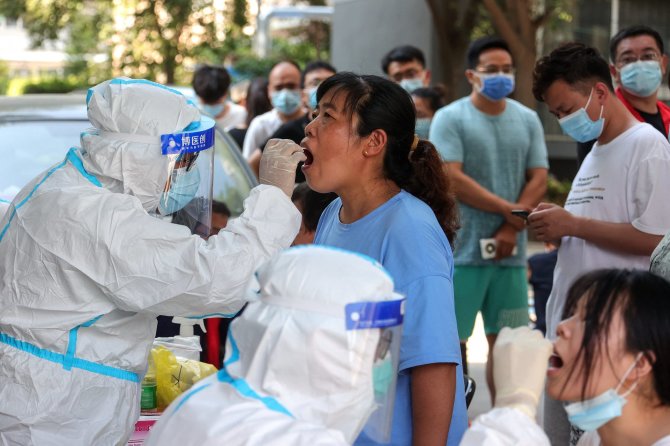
[415, 143]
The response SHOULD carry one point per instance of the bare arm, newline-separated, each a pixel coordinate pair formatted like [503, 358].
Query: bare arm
[255, 161]
[535, 188]
[433, 390]
[551, 222]
[622, 237]
[472, 193]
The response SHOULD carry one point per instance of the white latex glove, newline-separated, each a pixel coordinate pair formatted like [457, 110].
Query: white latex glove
[520, 357]
[278, 163]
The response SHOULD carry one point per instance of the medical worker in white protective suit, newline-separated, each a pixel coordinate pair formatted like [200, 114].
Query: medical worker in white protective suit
[296, 372]
[85, 267]
[520, 357]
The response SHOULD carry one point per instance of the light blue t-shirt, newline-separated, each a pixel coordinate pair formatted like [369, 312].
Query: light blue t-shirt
[495, 151]
[405, 237]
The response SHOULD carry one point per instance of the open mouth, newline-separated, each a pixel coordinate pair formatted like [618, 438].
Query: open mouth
[309, 156]
[555, 362]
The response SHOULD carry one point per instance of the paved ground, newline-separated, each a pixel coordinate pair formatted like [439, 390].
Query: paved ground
[477, 351]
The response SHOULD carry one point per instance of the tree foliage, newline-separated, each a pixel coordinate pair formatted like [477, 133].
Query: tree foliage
[518, 22]
[454, 22]
[147, 38]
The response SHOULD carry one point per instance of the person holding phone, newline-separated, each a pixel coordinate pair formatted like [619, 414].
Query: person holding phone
[616, 212]
[494, 150]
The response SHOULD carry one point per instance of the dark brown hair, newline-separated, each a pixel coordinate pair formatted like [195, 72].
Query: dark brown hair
[644, 302]
[379, 103]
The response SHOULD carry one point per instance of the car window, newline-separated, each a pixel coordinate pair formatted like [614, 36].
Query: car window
[30, 147]
[232, 178]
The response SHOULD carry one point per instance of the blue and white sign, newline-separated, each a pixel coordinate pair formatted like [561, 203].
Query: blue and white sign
[382, 314]
[193, 139]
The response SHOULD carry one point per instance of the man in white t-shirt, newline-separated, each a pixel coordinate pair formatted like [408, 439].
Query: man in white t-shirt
[616, 212]
[212, 84]
[286, 97]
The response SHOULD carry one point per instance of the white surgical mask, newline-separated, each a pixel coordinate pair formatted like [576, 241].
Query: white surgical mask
[411, 84]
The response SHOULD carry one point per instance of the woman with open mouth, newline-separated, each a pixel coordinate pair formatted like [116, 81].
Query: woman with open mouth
[610, 364]
[394, 205]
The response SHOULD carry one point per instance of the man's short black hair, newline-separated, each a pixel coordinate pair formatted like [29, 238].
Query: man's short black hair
[288, 61]
[477, 47]
[405, 53]
[211, 83]
[575, 64]
[313, 66]
[219, 207]
[634, 31]
[434, 96]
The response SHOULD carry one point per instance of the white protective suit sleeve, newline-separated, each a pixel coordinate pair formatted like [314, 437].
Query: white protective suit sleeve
[504, 426]
[224, 263]
[150, 265]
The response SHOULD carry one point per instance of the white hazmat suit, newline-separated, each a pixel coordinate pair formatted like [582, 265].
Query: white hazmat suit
[520, 362]
[84, 270]
[294, 374]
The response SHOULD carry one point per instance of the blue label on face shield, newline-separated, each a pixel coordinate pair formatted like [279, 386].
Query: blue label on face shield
[187, 142]
[365, 315]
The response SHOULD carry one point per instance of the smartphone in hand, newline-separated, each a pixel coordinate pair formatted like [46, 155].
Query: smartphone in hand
[521, 213]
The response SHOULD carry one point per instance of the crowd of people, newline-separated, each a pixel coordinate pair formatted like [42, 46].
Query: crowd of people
[435, 199]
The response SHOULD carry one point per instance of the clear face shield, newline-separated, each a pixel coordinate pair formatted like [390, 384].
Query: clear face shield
[187, 196]
[379, 322]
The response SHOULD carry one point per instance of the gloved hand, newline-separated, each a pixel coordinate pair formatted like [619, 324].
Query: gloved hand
[520, 357]
[278, 163]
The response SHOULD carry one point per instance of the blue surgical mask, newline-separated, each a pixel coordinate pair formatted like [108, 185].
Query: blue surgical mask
[312, 98]
[422, 128]
[495, 87]
[641, 78]
[382, 376]
[286, 101]
[589, 415]
[183, 187]
[580, 127]
[212, 110]
[411, 84]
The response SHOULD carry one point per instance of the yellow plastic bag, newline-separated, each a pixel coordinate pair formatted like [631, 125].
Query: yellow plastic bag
[175, 375]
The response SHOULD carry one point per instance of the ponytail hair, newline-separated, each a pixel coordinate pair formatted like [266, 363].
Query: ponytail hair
[379, 103]
[430, 183]
[421, 174]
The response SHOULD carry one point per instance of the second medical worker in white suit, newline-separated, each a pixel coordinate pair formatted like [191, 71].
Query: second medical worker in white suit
[85, 268]
[309, 360]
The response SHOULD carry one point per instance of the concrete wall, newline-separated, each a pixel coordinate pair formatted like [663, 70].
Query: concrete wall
[364, 30]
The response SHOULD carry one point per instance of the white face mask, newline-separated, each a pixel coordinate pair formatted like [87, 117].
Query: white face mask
[590, 414]
[411, 84]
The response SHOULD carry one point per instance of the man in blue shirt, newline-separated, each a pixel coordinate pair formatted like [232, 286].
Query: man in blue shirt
[495, 154]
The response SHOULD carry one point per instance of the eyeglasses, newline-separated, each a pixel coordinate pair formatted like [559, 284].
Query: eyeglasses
[647, 56]
[493, 69]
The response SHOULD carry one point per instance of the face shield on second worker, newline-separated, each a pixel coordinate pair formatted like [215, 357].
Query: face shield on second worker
[384, 319]
[325, 348]
[187, 196]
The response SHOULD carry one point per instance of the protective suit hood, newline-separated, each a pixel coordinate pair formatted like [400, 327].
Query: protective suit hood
[124, 150]
[300, 315]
